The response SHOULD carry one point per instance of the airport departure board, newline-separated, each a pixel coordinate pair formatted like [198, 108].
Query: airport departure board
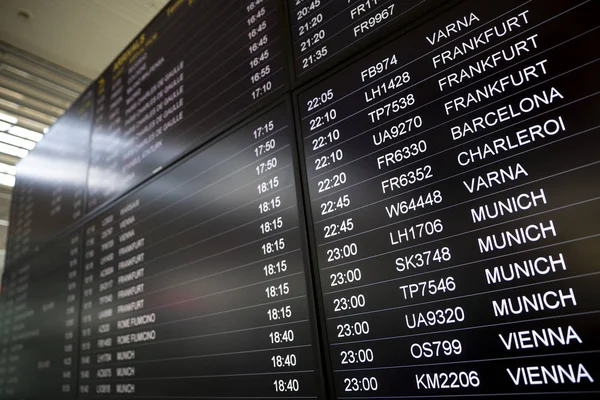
[318, 199]
[194, 70]
[49, 195]
[453, 181]
[195, 285]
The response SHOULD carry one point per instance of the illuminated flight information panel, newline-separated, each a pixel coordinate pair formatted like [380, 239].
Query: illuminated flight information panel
[453, 183]
[195, 284]
[325, 31]
[48, 196]
[39, 318]
[196, 68]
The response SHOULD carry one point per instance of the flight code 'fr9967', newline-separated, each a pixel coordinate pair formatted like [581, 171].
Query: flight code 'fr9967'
[371, 22]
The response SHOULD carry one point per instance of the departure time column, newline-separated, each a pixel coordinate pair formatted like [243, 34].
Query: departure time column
[271, 151]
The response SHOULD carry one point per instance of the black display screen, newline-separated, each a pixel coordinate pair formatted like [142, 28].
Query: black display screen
[195, 284]
[453, 183]
[195, 70]
[414, 213]
[49, 192]
[39, 317]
